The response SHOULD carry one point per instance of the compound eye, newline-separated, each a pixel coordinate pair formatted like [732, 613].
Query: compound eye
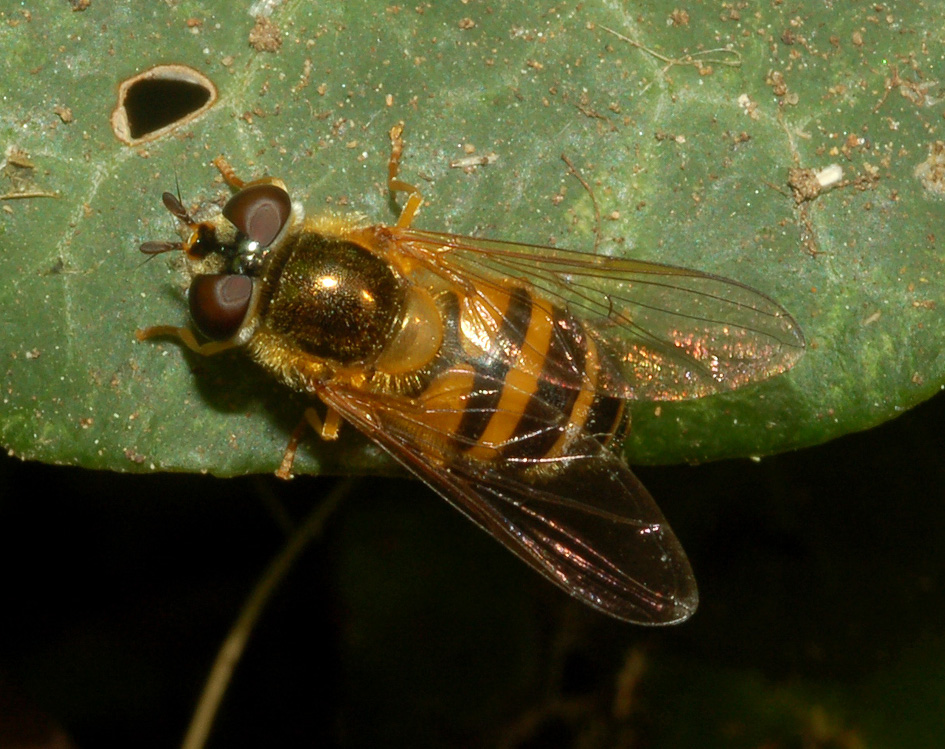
[219, 302]
[259, 212]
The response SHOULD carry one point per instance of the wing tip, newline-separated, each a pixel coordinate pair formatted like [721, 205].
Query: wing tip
[654, 610]
[680, 608]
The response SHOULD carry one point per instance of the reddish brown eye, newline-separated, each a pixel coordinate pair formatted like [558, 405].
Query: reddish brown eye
[218, 303]
[259, 212]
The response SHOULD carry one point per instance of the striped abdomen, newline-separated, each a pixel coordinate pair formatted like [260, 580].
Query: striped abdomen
[515, 377]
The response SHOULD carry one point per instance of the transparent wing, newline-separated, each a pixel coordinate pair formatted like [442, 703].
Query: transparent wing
[673, 333]
[582, 520]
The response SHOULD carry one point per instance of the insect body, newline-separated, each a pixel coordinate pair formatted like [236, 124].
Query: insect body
[496, 372]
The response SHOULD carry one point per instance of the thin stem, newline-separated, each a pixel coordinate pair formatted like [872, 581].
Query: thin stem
[235, 643]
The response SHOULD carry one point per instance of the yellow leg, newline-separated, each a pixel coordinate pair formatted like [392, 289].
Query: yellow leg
[185, 336]
[327, 430]
[414, 201]
[226, 171]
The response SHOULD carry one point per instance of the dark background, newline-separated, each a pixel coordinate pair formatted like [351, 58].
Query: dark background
[821, 622]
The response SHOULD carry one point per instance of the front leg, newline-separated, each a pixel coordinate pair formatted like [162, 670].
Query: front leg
[185, 336]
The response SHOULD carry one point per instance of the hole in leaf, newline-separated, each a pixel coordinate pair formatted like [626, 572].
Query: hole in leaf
[159, 100]
[154, 104]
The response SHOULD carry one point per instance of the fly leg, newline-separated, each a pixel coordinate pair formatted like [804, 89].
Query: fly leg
[327, 430]
[395, 185]
[185, 336]
[226, 171]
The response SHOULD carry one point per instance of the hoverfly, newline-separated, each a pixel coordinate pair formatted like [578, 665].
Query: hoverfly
[496, 372]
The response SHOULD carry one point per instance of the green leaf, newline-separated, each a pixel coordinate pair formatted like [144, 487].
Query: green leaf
[688, 164]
